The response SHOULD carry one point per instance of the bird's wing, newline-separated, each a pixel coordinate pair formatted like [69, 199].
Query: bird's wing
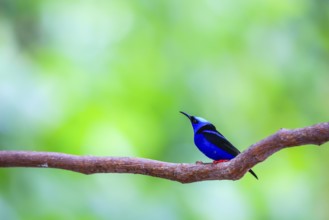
[220, 141]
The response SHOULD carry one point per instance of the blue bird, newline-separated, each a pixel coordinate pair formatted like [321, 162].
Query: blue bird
[212, 143]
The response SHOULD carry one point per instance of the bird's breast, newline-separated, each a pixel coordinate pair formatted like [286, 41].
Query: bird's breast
[211, 150]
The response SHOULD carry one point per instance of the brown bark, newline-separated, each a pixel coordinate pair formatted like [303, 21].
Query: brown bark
[181, 172]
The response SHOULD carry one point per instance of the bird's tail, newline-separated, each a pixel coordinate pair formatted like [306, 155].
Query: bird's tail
[252, 173]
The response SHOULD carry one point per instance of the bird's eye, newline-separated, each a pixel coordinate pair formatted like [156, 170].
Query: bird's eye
[194, 121]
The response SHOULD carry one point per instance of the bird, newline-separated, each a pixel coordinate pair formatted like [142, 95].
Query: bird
[212, 143]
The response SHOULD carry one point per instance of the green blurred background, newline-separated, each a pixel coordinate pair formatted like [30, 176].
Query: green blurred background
[108, 78]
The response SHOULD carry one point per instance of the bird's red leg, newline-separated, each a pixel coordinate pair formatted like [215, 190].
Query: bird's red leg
[219, 161]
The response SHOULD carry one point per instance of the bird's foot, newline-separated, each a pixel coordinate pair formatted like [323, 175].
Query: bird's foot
[199, 162]
[219, 161]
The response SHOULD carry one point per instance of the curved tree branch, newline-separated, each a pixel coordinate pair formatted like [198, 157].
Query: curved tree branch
[184, 173]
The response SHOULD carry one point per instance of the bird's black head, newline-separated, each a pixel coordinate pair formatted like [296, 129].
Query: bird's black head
[197, 122]
[192, 118]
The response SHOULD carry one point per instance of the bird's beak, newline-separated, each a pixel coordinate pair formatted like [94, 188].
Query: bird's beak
[187, 115]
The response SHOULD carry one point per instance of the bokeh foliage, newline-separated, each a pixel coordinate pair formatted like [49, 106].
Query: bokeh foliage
[108, 77]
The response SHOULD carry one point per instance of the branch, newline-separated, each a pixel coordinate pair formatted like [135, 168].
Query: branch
[182, 172]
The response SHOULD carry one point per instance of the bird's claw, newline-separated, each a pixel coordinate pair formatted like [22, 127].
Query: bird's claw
[219, 161]
[199, 162]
